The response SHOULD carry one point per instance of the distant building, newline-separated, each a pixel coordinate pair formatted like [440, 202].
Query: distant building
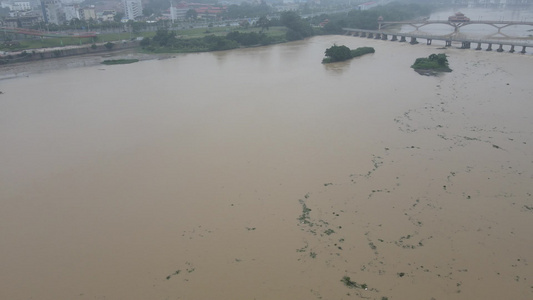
[29, 21]
[132, 9]
[178, 12]
[71, 12]
[21, 6]
[209, 11]
[367, 5]
[87, 13]
[26, 21]
[288, 7]
[10, 22]
[52, 11]
[107, 16]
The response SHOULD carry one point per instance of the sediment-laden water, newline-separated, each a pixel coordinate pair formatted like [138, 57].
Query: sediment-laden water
[263, 174]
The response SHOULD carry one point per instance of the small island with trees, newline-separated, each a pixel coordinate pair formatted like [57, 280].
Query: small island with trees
[433, 64]
[341, 53]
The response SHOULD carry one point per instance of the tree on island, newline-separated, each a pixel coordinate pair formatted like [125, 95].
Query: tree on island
[431, 64]
[338, 53]
[341, 53]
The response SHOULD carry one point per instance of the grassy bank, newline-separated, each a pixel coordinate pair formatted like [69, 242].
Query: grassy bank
[211, 39]
[51, 42]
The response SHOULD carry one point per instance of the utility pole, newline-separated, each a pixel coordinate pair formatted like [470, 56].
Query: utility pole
[172, 13]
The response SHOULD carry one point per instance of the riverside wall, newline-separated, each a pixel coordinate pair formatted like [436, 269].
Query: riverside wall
[57, 52]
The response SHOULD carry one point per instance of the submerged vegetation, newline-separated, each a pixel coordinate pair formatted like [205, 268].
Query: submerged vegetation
[352, 284]
[304, 217]
[119, 61]
[341, 53]
[431, 64]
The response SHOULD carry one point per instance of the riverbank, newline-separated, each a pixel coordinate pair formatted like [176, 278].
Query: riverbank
[29, 68]
[31, 55]
[196, 36]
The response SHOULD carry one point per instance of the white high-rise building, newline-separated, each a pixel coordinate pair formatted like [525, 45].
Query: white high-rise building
[53, 11]
[132, 9]
[71, 12]
[21, 6]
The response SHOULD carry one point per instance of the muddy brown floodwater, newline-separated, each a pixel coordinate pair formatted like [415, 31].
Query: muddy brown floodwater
[263, 174]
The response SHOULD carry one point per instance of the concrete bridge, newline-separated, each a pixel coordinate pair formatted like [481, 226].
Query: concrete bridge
[466, 43]
[456, 24]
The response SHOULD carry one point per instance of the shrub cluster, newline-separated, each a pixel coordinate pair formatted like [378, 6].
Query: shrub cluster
[166, 41]
[437, 62]
[298, 28]
[249, 39]
[119, 61]
[342, 53]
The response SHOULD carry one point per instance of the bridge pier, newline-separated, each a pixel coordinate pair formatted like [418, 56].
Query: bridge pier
[413, 39]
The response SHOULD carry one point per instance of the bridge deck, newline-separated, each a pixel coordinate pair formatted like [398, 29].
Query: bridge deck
[445, 37]
[486, 22]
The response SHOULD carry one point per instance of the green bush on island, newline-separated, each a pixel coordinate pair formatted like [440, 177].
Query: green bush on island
[361, 51]
[341, 53]
[433, 63]
[119, 61]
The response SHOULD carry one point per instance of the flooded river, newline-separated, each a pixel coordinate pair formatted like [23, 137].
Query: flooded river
[263, 174]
